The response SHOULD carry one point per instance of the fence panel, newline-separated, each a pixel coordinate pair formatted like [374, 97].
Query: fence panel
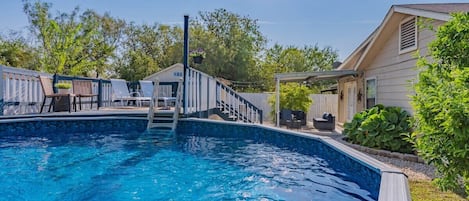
[321, 103]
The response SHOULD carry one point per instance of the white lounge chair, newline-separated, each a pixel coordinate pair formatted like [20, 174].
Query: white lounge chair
[147, 91]
[120, 92]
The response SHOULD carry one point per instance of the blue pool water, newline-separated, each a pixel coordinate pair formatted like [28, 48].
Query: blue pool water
[155, 166]
[201, 162]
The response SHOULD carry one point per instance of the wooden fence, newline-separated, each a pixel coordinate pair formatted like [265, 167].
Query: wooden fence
[321, 103]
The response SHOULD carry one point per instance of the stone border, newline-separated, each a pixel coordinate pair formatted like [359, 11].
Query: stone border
[385, 153]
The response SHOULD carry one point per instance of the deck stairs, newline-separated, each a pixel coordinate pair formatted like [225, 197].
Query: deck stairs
[206, 93]
[163, 117]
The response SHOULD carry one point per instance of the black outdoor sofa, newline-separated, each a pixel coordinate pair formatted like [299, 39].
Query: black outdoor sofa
[327, 122]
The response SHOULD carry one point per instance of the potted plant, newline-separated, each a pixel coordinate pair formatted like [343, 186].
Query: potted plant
[63, 87]
[198, 55]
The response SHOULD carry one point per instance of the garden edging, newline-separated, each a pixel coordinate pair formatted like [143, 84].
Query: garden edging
[385, 153]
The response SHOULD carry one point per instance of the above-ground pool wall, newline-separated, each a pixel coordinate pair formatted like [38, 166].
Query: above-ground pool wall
[52, 126]
[365, 175]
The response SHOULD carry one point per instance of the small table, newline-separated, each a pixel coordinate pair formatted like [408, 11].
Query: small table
[63, 103]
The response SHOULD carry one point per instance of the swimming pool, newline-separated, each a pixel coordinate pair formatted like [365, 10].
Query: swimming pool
[116, 159]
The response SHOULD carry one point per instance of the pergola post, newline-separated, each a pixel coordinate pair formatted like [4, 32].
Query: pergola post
[277, 101]
[1, 90]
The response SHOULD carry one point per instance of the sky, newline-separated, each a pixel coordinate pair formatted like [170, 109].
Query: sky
[340, 24]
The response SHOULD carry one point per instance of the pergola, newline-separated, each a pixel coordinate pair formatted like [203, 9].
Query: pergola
[305, 77]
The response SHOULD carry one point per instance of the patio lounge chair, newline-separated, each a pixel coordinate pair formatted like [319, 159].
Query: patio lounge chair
[120, 92]
[48, 91]
[147, 91]
[84, 89]
[327, 122]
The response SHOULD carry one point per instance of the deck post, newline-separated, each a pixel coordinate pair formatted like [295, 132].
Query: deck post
[185, 61]
[55, 79]
[100, 93]
[200, 95]
[1, 90]
[208, 97]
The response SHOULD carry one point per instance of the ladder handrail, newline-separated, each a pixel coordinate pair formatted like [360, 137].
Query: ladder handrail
[177, 105]
[151, 110]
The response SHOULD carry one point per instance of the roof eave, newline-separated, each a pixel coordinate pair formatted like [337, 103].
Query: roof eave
[422, 13]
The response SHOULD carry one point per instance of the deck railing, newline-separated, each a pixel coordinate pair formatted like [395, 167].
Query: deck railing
[203, 93]
[21, 92]
[229, 101]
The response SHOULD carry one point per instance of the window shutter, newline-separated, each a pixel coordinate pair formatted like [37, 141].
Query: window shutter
[408, 35]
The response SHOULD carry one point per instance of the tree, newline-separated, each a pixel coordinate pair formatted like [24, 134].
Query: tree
[70, 43]
[279, 59]
[15, 51]
[148, 49]
[232, 44]
[441, 103]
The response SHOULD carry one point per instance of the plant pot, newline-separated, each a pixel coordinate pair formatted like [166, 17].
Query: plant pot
[63, 91]
[198, 59]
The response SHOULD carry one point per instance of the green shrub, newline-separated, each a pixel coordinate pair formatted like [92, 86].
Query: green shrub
[293, 96]
[381, 127]
[441, 104]
[63, 85]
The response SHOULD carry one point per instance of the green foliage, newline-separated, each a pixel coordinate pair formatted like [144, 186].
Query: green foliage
[197, 53]
[91, 44]
[63, 85]
[279, 59]
[72, 43]
[381, 127]
[441, 103]
[14, 51]
[293, 96]
[231, 42]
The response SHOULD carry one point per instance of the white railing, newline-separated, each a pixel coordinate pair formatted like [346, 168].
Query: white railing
[200, 92]
[21, 92]
[204, 93]
[237, 106]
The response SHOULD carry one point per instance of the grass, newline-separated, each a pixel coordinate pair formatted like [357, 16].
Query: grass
[423, 190]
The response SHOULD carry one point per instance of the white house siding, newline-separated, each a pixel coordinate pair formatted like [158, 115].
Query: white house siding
[396, 73]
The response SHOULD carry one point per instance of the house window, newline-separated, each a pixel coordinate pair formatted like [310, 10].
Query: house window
[370, 93]
[408, 35]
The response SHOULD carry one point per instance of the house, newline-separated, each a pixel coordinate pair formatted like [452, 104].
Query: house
[386, 61]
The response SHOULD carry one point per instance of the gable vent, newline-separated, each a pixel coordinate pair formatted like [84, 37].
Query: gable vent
[408, 35]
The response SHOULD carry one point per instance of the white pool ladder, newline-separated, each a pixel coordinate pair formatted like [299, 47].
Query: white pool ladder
[158, 118]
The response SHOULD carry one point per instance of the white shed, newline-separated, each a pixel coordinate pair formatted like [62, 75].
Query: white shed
[170, 74]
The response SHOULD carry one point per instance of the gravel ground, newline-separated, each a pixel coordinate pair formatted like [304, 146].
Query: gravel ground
[414, 171]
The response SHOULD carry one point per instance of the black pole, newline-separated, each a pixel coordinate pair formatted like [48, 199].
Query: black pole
[186, 59]
[55, 80]
[100, 93]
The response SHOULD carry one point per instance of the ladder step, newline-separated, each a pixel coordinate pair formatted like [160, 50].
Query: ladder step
[163, 119]
[161, 125]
